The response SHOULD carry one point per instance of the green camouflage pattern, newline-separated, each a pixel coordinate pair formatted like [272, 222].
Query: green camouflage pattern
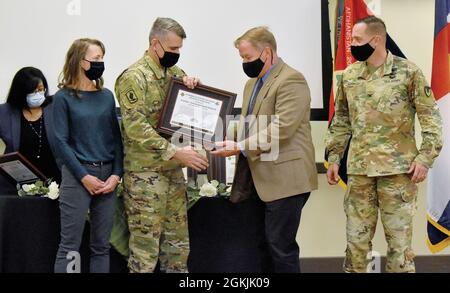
[155, 203]
[377, 110]
[395, 197]
[120, 235]
[141, 90]
[154, 184]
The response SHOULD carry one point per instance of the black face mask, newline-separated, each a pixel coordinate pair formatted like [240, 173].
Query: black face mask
[169, 59]
[253, 68]
[96, 70]
[363, 52]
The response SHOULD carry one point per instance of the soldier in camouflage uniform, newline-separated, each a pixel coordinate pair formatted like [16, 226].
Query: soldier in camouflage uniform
[154, 185]
[375, 110]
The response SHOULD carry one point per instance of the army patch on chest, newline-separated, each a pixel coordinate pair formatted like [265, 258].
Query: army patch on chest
[393, 80]
[427, 91]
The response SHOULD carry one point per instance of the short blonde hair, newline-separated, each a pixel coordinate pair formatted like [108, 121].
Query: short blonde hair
[260, 37]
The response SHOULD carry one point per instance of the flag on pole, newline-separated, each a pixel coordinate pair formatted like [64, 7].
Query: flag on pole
[438, 227]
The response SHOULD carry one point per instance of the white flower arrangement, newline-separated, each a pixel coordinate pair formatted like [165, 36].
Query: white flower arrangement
[48, 189]
[208, 189]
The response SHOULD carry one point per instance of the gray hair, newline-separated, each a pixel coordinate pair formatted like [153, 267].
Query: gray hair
[163, 25]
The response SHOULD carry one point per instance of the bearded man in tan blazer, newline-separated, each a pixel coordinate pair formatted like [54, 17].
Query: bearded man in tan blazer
[276, 162]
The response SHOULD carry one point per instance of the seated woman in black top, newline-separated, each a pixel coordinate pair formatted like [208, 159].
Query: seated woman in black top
[26, 124]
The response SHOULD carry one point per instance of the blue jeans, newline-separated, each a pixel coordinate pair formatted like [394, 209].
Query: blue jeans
[74, 203]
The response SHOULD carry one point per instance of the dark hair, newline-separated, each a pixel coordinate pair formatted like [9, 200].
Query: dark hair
[375, 25]
[25, 82]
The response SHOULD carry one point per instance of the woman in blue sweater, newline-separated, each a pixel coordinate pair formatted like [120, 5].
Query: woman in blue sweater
[90, 146]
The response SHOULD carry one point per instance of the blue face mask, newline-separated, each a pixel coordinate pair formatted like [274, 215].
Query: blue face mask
[35, 100]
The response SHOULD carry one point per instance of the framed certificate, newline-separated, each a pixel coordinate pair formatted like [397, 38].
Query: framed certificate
[18, 170]
[199, 114]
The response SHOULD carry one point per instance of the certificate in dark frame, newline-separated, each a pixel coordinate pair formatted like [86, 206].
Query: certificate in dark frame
[194, 134]
[24, 162]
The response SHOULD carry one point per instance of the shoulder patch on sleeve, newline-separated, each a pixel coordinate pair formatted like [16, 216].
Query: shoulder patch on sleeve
[131, 96]
[130, 89]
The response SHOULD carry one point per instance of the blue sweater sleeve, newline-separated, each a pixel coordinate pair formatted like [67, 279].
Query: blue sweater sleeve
[62, 135]
[118, 150]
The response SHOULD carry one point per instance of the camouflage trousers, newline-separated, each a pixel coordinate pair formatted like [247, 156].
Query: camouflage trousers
[155, 203]
[396, 198]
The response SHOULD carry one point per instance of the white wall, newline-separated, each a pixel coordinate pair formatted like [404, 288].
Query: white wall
[39, 32]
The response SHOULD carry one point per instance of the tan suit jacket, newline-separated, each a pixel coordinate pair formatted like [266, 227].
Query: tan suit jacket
[290, 168]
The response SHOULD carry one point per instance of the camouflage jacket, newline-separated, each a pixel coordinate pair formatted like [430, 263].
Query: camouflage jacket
[140, 91]
[377, 111]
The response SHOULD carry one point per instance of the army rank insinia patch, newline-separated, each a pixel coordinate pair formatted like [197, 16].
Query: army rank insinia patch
[427, 91]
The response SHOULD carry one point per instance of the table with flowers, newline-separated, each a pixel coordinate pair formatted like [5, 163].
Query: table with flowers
[224, 237]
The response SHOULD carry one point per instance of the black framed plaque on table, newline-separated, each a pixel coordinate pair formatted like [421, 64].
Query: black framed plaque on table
[18, 170]
[199, 114]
